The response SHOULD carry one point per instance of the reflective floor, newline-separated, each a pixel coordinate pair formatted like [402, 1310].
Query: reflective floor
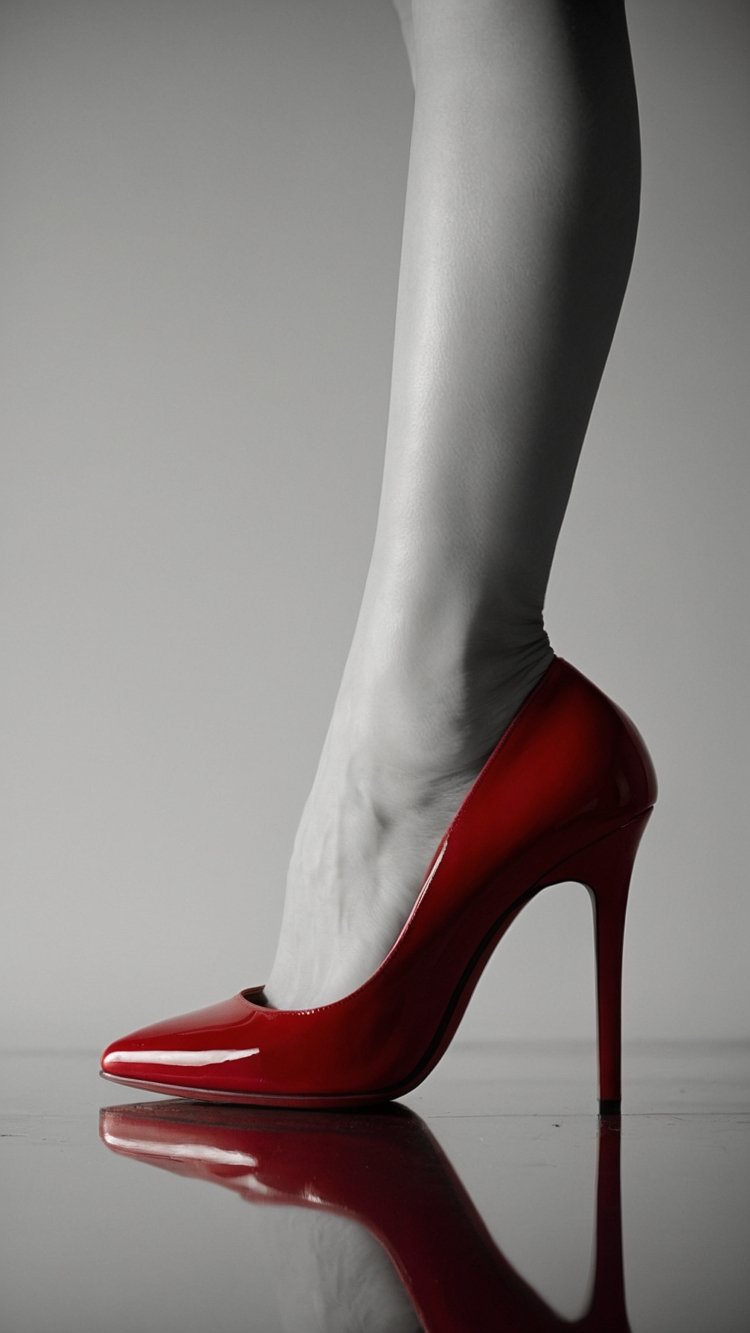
[491, 1198]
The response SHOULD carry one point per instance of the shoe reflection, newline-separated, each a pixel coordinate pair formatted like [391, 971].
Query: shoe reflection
[384, 1170]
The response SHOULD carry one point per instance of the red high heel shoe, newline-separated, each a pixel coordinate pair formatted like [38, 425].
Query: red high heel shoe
[565, 795]
[384, 1170]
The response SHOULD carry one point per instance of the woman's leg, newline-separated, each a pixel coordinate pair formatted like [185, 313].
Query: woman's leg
[520, 222]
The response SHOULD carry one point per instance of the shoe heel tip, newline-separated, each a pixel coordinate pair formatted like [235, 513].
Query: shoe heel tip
[610, 1107]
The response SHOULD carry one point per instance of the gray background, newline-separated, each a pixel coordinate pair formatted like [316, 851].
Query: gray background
[200, 238]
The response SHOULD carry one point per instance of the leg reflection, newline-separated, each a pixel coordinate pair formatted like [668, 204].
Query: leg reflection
[384, 1170]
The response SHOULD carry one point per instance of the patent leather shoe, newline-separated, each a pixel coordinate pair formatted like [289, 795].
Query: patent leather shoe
[565, 795]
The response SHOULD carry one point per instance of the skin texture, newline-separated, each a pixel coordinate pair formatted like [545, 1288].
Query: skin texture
[519, 227]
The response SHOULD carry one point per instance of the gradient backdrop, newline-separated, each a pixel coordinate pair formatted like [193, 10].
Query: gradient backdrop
[200, 241]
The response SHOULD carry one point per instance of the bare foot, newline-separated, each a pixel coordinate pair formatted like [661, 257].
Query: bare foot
[395, 767]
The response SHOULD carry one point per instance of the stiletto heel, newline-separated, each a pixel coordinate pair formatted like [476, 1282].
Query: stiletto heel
[605, 868]
[564, 795]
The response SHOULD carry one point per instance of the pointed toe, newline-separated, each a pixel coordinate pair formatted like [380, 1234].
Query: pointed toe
[189, 1053]
[112, 1058]
[125, 1058]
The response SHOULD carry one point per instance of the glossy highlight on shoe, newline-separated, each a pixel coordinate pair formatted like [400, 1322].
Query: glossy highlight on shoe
[565, 794]
[385, 1170]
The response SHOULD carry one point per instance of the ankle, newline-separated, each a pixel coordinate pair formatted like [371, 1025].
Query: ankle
[445, 708]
